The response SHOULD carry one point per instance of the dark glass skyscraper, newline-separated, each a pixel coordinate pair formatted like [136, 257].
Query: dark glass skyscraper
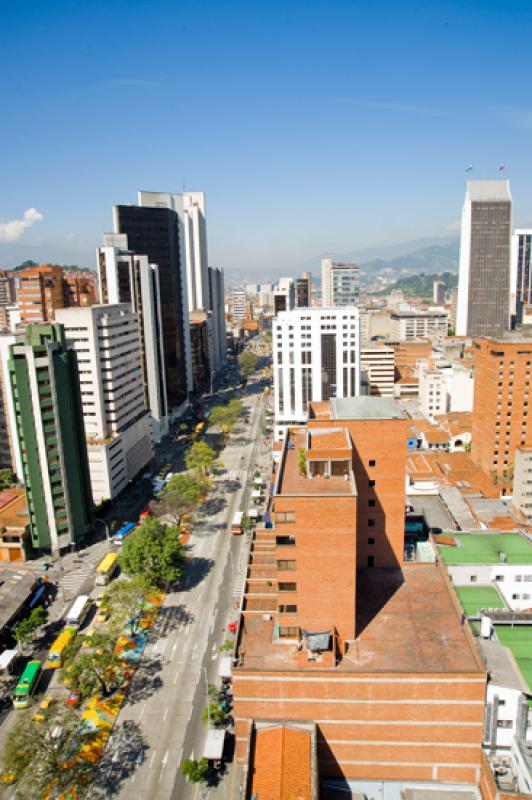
[155, 232]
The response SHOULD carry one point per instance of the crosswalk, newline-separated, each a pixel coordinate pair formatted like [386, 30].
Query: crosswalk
[72, 582]
[238, 588]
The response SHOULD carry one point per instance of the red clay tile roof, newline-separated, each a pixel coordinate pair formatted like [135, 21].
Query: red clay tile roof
[281, 764]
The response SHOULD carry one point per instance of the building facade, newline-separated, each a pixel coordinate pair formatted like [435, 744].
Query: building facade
[521, 273]
[126, 277]
[304, 291]
[154, 232]
[316, 356]
[503, 370]
[407, 325]
[200, 350]
[432, 390]
[377, 361]
[216, 305]
[239, 304]
[484, 274]
[44, 384]
[106, 341]
[339, 283]
[438, 293]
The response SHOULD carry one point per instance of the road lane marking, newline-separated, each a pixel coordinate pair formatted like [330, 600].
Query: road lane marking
[165, 713]
[142, 710]
[152, 759]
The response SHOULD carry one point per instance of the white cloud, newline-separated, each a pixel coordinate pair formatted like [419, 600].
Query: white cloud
[13, 229]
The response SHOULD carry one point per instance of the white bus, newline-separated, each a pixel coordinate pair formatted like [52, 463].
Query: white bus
[79, 610]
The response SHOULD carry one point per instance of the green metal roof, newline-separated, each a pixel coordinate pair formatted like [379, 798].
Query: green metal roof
[518, 640]
[473, 598]
[484, 548]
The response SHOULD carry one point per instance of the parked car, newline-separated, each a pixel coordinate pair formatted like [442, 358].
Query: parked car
[42, 708]
[73, 698]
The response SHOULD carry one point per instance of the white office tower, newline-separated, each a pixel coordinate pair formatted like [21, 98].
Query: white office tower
[284, 296]
[521, 273]
[339, 283]
[126, 277]
[484, 275]
[239, 305]
[316, 356]
[106, 339]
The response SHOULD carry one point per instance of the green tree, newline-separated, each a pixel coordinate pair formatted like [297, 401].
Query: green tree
[200, 458]
[125, 600]
[302, 461]
[182, 495]
[41, 759]
[246, 523]
[95, 666]
[7, 478]
[247, 363]
[24, 630]
[155, 551]
[226, 416]
[195, 771]
[214, 714]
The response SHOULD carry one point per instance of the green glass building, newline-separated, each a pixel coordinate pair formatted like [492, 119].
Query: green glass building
[51, 436]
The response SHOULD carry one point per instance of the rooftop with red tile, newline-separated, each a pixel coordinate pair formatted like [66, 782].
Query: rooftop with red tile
[407, 622]
[281, 763]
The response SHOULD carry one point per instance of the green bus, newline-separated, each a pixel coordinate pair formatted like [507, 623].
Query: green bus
[27, 684]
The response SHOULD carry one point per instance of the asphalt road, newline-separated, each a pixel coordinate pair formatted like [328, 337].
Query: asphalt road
[160, 724]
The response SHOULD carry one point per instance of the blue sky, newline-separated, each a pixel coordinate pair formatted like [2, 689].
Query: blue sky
[311, 126]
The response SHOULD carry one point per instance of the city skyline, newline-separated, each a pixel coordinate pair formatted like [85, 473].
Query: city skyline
[333, 129]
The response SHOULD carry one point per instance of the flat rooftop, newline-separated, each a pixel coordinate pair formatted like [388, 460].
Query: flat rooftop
[518, 640]
[473, 598]
[369, 407]
[291, 482]
[15, 587]
[484, 548]
[407, 621]
[501, 665]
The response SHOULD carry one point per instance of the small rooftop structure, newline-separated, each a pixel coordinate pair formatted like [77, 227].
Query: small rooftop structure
[282, 763]
[501, 666]
[488, 191]
[15, 588]
[365, 408]
[488, 548]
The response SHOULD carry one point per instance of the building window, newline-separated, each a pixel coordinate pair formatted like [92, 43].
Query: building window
[371, 503]
[372, 462]
[282, 541]
[371, 540]
[473, 579]
[285, 516]
[286, 564]
[371, 561]
[499, 577]
[287, 586]
[371, 484]
[288, 633]
[504, 723]
[371, 523]
[290, 609]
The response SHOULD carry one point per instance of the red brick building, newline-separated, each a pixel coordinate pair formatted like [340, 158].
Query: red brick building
[503, 373]
[336, 632]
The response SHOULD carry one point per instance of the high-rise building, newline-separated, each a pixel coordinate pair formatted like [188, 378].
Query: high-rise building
[106, 340]
[484, 275]
[45, 288]
[438, 292]
[331, 634]
[339, 283]
[9, 451]
[304, 291]
[315, 357]
[239, 304]
[521, 273]
[46, 398]
[7, 288]
[154, 232]
[126, 277]
[200, 349]
[216, 305]
[503, 374]
[284, 295]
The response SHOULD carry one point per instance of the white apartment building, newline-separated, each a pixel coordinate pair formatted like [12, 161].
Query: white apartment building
[339, 283]
[284, 296]
[460, 389]
[126, 277]
[377, 361]
[412, 324]
[106, 340]
[432, 390]
[520, 272]
[316, 356]
[522, 481]
[239, 304]
[266, 295]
